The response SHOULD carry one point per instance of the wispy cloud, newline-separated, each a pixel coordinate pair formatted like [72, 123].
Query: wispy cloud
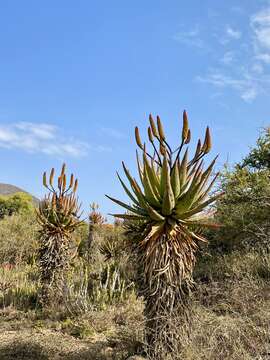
[240, 56]
[233, 33]
[260, 23]
[237, 9]
[228, 35]
[246, 63]
[40, 138]
[263, 57]
[257, 68]
[250, 94]
[227, 58]
[114, 133]
[190, 38]
[247, 86]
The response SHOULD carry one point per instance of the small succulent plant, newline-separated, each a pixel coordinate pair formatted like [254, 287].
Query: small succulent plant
[58, 216]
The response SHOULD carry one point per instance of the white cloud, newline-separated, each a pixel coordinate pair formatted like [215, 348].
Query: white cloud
[260, 22]
[227, 58]
[243, 66]
[190, 38]
[245, 71]
[221, 80]
[232, 33]
[112, 132]
[249, 95]
[257, 68]
[237, 9]
[260, 25]
[246, 86]
[102, 148]
[40, 138]
[264, 58]
[41, 131]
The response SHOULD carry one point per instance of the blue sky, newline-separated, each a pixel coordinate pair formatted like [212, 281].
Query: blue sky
[77, 76]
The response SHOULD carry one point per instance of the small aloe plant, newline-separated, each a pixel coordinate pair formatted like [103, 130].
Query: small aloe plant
[58, 216]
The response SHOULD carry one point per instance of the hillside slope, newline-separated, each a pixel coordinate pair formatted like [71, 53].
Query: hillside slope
[7, 189]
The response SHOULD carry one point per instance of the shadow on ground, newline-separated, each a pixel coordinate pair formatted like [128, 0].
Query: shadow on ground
[25, 350]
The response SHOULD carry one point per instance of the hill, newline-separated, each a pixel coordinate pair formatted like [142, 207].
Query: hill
[7, 189]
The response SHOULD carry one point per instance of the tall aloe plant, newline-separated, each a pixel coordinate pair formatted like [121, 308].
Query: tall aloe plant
[58, 216]
[169, 209]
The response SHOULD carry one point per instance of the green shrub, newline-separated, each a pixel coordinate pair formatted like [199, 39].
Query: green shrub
[18, 239]
[18, 287]
[259, 156]
[244, 209]
[19, 202]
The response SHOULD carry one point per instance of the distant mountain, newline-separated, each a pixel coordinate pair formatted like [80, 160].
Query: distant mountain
[7, 189]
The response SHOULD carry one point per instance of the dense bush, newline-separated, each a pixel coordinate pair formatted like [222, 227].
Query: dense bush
[16, 203]
[18, 239]
[244, 209]
[259, 156]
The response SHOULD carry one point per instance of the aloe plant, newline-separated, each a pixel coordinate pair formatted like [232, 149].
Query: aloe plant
[58, 216]
[168, 206]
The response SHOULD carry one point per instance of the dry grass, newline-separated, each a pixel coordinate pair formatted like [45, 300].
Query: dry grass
[114, 333]
[230, 319]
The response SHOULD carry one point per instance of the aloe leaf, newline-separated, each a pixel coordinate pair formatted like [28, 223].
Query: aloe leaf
[175, 180]
[127, 207]
[128, 216]
[132, 198]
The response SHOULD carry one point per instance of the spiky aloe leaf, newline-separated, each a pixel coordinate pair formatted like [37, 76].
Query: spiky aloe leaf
[200, 207]
[150, 194]
[155, 215]
[139, 165]
[205, 191]
[136, 188]
[132, 198]
[183, 170]
[127, 207]
[208, 171]
[175, 179]
[185, 201]
[129, 217]
[164, 175]
[151, 174]
[168, 201]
